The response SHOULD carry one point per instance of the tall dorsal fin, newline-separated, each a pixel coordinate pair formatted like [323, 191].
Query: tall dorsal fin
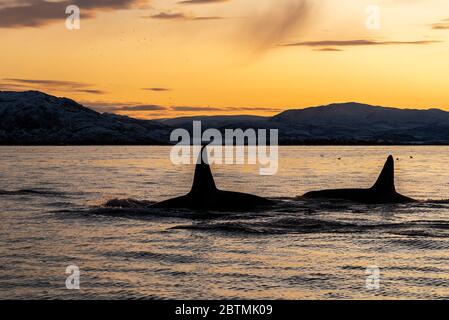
[385, 182]
[203, 181]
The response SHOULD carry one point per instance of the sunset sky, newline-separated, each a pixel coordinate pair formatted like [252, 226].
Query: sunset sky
[165, 58]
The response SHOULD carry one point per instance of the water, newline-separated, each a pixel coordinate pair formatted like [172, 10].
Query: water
[54, 214]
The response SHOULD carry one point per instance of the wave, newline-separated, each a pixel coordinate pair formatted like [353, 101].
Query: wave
[127, 203]
[156, 256]
[304, 225]
[31, 192]
[291, 215]
[133, 208]
[280, 226]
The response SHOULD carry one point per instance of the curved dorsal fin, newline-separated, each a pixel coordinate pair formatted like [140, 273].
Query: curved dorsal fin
[385, 182]
[203, 181]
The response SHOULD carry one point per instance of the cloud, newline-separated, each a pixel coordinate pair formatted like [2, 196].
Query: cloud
[274, 24]
[168, 15]
[195, 109]
[35, 13]
[201, 1]
[13, 87]
[101, 107]
[208, 18]
[149, 107]
[157, 89]
[151, 110]
[47, 82]
[180, 16]
[118, 107]
[255, 109]
[350, 43]
[50, 85]
[223, 109]
[443, 25]
[328, 49]
[92, 91]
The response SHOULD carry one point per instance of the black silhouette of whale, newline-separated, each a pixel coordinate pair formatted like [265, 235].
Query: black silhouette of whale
[383, 191]
[204, 195]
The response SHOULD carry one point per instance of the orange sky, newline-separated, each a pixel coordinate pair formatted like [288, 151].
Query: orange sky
[163, 58]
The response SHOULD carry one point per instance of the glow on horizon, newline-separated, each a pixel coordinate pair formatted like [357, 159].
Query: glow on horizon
[225, 58]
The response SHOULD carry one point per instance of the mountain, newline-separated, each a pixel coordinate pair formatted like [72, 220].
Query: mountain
[33, 117]
[361, 115]
[356, 122]
[343, 123]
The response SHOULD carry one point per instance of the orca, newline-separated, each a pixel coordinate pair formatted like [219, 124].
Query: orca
[383, 191]
[204, 195]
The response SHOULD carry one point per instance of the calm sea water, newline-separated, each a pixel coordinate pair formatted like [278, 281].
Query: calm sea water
[53, 215]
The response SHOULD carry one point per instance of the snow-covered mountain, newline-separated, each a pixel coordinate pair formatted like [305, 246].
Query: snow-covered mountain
[355, 122]
[37, 118]
[34, 117]
[344, 123]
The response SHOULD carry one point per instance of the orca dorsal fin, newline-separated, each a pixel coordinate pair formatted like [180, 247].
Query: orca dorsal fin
[203, 181]
[385, 182]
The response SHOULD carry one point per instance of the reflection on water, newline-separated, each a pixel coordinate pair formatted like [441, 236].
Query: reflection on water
[57, 211]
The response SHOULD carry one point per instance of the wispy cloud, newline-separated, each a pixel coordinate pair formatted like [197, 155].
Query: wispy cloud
[157, 89]
[167, 16]
[150, 110]
[122, 107]
[195, 109]
[358, 42]
[49, 85]
[328, 49]
[443, 25]
[91, 91]
[35, 13]
[149, 107]
[256, 109]
[202, 1]
[180, 16]
[223, 109]
[273, 25]
[12, 87]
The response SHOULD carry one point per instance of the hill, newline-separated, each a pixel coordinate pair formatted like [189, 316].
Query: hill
[36, 118]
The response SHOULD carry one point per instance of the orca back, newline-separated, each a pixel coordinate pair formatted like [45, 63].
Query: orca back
[385, 182]
[203, 181]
